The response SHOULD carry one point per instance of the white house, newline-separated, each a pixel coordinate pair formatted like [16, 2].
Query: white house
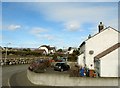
[42, 51]
[48, 49]
[44, 47]
[106, 63]
[52, 49]
[71, 50]
[100, 52]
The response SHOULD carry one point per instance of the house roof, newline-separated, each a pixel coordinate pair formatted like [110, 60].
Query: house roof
[52, 48]
[83, 43]
[107, 51]
[48, 47]
[39, 50]
[102, 31]
[99, 33]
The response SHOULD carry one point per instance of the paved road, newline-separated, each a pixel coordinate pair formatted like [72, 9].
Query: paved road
[15, 76]
[20, 80]
[8, 71]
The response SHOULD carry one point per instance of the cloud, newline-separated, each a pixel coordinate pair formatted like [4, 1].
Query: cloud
[41, 33]
[13, 27]
[38, 30]
[45, 36]
[49, 37]
[72, 26]
[73, 15]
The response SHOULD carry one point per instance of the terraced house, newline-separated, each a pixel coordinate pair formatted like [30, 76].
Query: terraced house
[100, 52]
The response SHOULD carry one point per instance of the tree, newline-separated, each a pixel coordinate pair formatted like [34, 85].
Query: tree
[74, 56]
[28, 49]
[69, 48]
[55, 57]
[59, 50]
[76, 52]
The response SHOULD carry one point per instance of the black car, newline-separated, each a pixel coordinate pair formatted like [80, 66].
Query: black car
[61, 66]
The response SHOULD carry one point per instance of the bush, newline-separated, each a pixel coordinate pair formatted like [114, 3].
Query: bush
[74, 71]
[72, 57]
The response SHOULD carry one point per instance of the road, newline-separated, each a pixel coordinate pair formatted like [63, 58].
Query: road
[9, 72]
[15, 76]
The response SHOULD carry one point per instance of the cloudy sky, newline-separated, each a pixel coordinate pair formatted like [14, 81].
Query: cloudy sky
[60, 24]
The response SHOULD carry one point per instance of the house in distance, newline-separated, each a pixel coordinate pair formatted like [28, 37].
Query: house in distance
[48, 49]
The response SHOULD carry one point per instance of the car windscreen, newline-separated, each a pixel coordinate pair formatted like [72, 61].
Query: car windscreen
[59, 64]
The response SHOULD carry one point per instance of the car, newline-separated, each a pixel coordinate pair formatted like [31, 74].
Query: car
[38, 66]
[61, 66]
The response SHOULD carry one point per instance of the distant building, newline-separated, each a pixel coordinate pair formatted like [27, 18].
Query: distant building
[42, 51]
[100, 52]
[48, 49]
[52, 49]
[71, 50]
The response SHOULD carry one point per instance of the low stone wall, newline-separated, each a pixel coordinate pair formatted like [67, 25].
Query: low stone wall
[60, 79]
[15, 61]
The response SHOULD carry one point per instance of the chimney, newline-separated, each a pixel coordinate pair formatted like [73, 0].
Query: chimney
[89, 36]
[100, 27]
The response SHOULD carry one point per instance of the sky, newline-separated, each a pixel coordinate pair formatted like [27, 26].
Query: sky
[59, 24]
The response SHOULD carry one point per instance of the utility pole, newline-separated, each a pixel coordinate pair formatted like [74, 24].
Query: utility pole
[6, 52]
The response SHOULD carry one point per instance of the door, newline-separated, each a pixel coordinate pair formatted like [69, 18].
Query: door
[97, 67]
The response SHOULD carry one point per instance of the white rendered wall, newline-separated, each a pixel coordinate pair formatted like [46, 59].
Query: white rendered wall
[109, 65]
[44, 49]
[71, 51]
[51, 51]
[81, 60]
[99, 43]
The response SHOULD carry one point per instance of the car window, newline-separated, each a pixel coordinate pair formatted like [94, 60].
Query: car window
[65, 64]
[58, 64]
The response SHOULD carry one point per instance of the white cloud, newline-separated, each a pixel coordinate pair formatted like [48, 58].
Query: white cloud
[13, 27]
[73, 15]
[41, 33]
[72, 26]
[45, 36]
[38, 30]
[49, 37]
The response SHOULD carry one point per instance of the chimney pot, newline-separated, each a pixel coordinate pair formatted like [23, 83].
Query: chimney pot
[100, 27]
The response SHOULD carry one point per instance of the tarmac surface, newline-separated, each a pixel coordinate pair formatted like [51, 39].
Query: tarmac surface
[16, 77]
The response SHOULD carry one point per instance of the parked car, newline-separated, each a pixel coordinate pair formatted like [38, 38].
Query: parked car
[61, 66]
[39, 65]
